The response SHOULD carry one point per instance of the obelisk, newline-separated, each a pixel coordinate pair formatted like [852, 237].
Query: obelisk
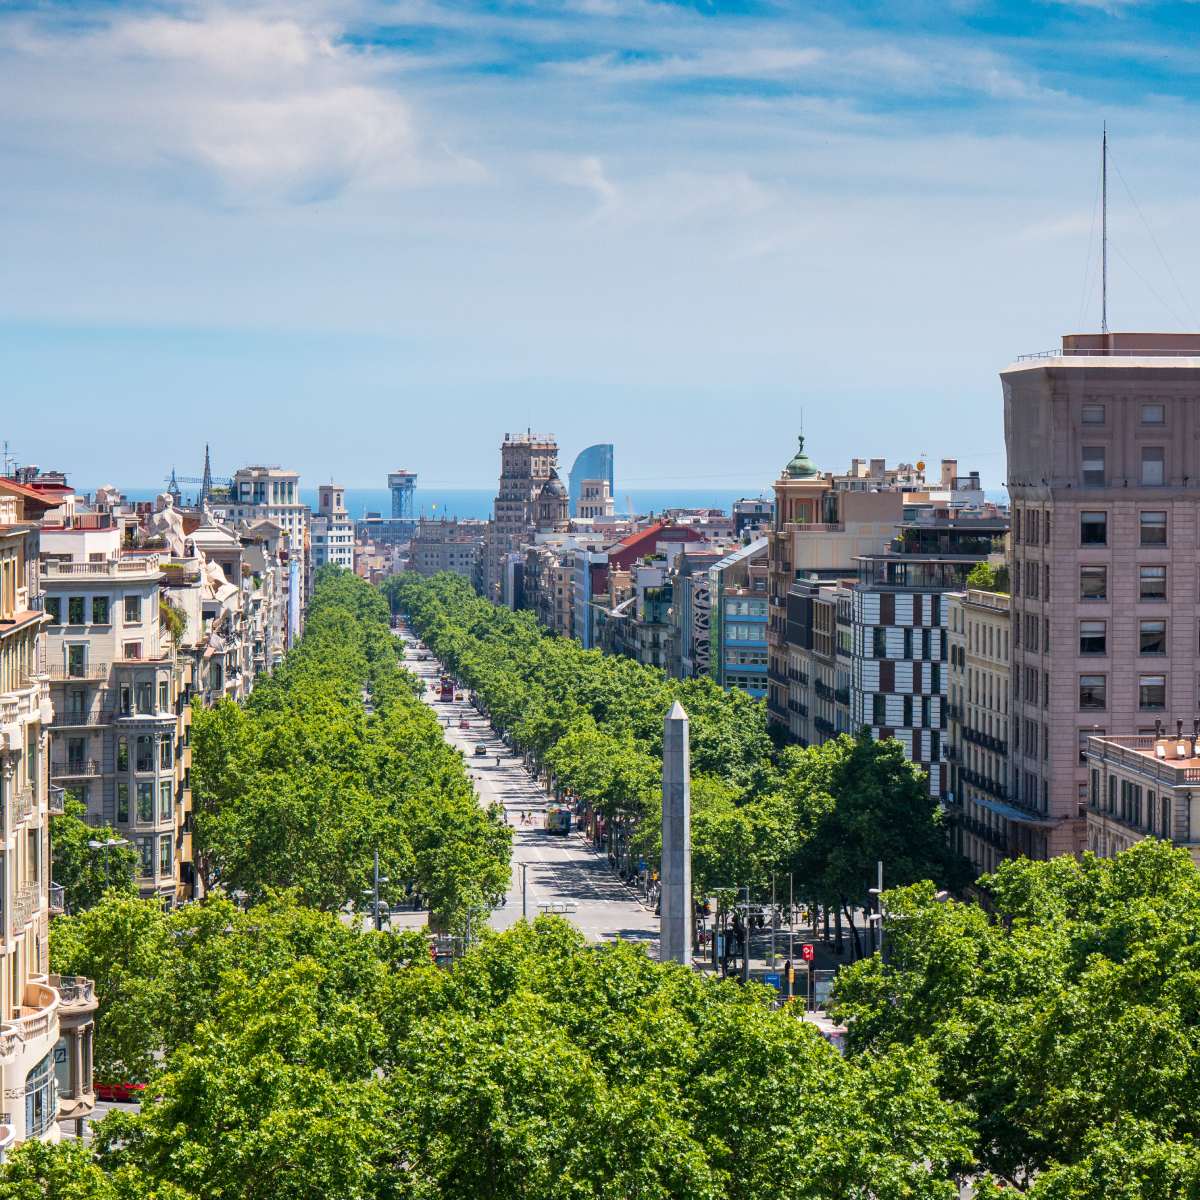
[675, 936]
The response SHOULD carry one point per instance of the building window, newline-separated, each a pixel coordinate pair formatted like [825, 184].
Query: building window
[165, 800]
[1093, 637]
[99, 610]
[1092, 414]
[1152, 692]
[164, 696]
[1093, 694]
[133, 610]
[1154, 414]
[145, 803]
[75, 610]
[145, 847]
[41, 1106]
[1152, 637]
[1084, 734]
[144, 696]
[123, 803]
[1092, 468]
[164, 752]
[1093, 529]
[1153, 527]
[164, 854]
[1093, 583]
[1152, 583]
[1153, 469]
[1031, 632]
[132, 651]
[122, 754]
[145, 752]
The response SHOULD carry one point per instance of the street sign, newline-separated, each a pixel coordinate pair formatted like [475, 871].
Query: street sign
[807, 952]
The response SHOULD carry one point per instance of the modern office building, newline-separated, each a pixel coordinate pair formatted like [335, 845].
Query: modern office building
[595, 463]
[977, 710]
[1105, 488]
[899, 679]
[46, 1021]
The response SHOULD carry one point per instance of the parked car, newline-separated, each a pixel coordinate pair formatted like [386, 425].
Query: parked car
[119, 1093]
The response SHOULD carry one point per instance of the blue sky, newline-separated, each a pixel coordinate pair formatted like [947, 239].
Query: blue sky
[358, 235]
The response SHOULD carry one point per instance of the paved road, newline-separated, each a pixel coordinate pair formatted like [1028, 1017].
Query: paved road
[558, 870]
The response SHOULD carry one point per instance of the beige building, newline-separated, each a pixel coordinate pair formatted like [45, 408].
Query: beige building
[1105, 485]
[447, 544]
[120, 694]
[1144, 785]
[527, 461]
[977, 626]
[46, 1021]
[820, 530]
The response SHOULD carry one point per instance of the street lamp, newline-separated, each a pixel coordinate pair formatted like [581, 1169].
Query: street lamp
[96, 844]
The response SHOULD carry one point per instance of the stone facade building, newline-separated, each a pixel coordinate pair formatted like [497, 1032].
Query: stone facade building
[1105, 486]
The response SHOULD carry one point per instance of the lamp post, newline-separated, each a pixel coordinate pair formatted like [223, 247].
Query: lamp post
[96, 844]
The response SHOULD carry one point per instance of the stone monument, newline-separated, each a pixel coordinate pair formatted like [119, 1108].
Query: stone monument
[675, 936]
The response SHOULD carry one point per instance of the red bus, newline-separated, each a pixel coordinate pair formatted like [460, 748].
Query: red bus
[447, 688]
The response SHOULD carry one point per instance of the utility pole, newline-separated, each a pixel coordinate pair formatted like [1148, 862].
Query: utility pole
[378, 919]
[1104, 231]
[524, 905]
[773, 920]
[791, 922]
[746, 935]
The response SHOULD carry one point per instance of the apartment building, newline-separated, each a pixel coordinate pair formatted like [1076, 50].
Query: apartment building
[898, 687]
[1104, 482]
[120, 695]
[331, 531]
[46, 1021]
[819, 661]
[737, 588]
[691, 611]
[1144, 785]
[447, 544]
[820, 530]
[977, 624]
[258, 493]
[527, 461]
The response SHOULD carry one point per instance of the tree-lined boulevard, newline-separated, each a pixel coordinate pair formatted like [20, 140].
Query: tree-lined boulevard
[1044, 1045]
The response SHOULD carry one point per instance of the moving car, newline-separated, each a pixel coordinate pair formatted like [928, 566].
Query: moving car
[464, 723]
[480, 751]
[119, 1093]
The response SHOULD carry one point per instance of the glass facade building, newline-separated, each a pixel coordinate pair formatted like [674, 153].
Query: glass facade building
[596, 462]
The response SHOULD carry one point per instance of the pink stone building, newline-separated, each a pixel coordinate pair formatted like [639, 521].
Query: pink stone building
[1103, 442]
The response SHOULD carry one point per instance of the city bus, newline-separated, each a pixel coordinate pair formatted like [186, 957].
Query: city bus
[447, 688]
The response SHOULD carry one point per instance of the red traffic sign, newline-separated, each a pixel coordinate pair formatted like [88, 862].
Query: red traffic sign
[807, 951]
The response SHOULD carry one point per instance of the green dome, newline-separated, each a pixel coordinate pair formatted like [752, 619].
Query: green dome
[800, 467]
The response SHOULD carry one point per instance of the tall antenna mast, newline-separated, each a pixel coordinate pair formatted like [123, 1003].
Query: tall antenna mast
[1104, 231]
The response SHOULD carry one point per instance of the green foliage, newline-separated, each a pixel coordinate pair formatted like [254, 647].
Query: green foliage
[172, 618]
[86, 874]
[1066, 1015]
[301, 787]
[987, 578]
[68, 1170]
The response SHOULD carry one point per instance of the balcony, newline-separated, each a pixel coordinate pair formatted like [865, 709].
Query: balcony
[55, 801]
[58, 899]
[821, 725]
[985, 740]
[110, 568]
[75, 768]
[824, 690]
[76, 993]
[24, 803]
[39, 1005]
[24, 905]
[76, 670]
[842, 695]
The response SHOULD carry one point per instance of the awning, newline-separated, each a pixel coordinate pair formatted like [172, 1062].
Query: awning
[1012, 813]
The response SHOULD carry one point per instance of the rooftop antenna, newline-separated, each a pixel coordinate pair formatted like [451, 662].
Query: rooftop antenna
[1104, 230]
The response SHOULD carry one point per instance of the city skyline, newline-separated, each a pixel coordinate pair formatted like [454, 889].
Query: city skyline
[656, 224]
